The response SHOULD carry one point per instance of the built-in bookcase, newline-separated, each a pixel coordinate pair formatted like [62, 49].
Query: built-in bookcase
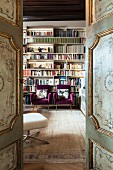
[53, 56]
[82, 96]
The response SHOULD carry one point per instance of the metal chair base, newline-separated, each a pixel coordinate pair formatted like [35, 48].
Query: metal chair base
[30, 136]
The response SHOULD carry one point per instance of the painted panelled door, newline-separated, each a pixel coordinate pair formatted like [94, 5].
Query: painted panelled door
[99, 84]
[10, 93]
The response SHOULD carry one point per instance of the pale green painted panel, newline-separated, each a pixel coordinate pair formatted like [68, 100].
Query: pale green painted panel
[103, 82]
[102, 159]
[102, 8]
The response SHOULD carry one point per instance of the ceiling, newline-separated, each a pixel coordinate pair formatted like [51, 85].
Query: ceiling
[53, 10]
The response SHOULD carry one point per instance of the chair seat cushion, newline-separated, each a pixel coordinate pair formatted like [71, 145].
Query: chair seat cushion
[34, 121]
[40, 102]
[64, 101]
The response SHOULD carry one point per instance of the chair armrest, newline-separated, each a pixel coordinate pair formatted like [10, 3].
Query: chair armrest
[32, 97]
[49, 98]
[54, 97]
[72, 98]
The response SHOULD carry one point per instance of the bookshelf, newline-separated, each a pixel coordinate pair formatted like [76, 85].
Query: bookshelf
[53, 56]
[82, 96]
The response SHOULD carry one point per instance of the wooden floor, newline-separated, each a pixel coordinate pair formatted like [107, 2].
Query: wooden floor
[33, 166]
[53, 166]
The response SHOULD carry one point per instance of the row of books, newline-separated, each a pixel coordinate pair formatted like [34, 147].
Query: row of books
[75, 33]
[46, 49]
[53, 73]
[24, 41]
[54, 56]
[68, 66]
[39, 73]
[56, 49]
[33, 88]
[40, 65]
[75, 49]
[56, 81]
[75, 88]
[57, 33]
[27, 99]
[55, 40]
[69, 49]
[42, 56]
[47, 65]
[39, 33]
[69, 57]
[60, 49]
[68, 33]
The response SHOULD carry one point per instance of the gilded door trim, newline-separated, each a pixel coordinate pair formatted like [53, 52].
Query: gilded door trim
[90, 83]
[18, 17]
[14, 46]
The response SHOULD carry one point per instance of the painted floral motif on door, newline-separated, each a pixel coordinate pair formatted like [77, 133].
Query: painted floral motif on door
[8, 157]
[8, 10]
[103, 82]
[102, 159]
[9, 83]
[100, 9]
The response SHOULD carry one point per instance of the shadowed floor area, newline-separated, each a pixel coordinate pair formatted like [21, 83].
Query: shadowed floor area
[58, 166]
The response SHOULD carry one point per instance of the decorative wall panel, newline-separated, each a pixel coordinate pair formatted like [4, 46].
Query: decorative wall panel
[103, 82]
[102, 159]
[100, 9]
[8, 157]
[9, 83]
[9, 10]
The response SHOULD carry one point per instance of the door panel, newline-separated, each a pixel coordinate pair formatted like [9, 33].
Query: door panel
[102, 87]
[10, 11]
[11, 123]
[9, 156]
[98, 10]
[99, 85]
[102, 158]
[9, 83]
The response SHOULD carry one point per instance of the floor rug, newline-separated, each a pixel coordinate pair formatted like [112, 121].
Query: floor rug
[66, 136]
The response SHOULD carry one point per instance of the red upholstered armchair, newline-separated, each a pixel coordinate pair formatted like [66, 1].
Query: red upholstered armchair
[42, 96]
[63, 96]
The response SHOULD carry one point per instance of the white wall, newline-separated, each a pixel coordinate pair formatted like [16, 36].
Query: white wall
[56, 23]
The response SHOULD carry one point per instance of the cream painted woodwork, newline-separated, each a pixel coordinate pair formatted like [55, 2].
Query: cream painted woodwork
[99, 85]
[11, 131]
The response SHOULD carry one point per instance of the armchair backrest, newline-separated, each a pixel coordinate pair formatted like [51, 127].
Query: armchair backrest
[44, 87]
[61, 92]
[63, 86]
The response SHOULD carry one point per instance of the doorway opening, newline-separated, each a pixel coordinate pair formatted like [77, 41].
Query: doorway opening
[61, 61]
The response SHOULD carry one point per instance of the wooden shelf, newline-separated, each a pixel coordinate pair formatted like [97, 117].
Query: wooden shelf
[49, 53]
[39, 60]
[51, 69]
[40, 76]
